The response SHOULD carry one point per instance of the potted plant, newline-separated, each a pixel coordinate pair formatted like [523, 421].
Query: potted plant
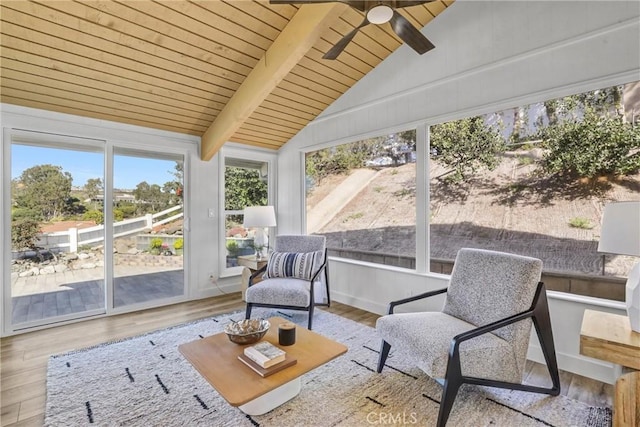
[178, 245]
[155, 246]
[232, 253]
[164, 250]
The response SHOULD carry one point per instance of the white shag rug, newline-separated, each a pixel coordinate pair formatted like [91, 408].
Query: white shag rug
[145, 381]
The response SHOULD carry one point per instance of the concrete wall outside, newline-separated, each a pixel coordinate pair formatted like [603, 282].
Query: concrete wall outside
[607, 287]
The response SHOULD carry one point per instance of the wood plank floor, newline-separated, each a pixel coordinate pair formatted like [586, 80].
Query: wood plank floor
[23, 358]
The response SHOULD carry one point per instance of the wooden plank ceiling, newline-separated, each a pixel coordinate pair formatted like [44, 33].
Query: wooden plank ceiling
[175, 65]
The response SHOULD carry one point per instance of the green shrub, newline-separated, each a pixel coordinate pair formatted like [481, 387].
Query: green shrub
[356, 215]
[118, 215]
[156, 243]
[24, 234]
[18, 214]
[179, 244]
[596, 146]
[579, 222]
[128, 209]
[233, 248]
[93, 215]
[524, 160]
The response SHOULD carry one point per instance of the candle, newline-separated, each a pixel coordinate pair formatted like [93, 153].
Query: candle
[287, 333]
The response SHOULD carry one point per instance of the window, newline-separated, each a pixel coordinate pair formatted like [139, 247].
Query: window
[533, 180]
[246, 183]
[362, 197]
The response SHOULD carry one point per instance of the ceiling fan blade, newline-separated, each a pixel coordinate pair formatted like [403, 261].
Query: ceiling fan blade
[410, 34]
[301, 1]
[356, 4]
[404, 3]
[361, 5]
[343, 42]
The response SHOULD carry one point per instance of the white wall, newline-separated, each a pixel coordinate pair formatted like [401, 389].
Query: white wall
[489, 56]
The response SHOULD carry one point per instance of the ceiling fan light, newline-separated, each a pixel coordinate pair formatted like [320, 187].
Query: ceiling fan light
[379, 14]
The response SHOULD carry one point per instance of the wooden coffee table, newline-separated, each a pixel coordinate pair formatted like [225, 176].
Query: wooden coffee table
[216, 359]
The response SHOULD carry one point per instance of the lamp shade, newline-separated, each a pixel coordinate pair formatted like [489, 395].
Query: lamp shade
[259, 216]
[620, 233]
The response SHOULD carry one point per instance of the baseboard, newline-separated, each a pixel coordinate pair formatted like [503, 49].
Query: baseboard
[577, 364]
[215, 291]
[363, 304]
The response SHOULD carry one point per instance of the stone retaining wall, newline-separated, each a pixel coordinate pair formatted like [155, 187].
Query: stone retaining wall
[608, 287]
[149, 260]
[90, 260]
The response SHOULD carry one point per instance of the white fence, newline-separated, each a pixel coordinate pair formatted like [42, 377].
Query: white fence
[73, 238]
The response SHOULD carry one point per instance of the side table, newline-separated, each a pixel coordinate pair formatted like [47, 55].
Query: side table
[251, 263]
[608, 336]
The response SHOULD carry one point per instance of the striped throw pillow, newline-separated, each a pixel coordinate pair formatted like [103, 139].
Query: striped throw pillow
[299, 265]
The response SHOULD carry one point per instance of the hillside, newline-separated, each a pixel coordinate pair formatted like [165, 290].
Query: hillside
[506, 209]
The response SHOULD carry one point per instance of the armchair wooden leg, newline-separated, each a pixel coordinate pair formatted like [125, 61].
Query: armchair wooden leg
[384, 352]
[542, 325]
[449, 392]
[452, 381]
[248, 312]
[310, 316]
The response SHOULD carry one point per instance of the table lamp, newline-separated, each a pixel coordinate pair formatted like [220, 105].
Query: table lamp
[620, 235]
[260, 217]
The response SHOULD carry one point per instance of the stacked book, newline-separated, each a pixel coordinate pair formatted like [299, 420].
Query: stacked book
[266, 359]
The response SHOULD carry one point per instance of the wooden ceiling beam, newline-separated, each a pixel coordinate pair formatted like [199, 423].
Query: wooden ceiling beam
[295, 40]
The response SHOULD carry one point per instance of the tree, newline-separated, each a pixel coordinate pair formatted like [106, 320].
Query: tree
[93, 188]
[173, 192]
[342, 158]
[466, 146]
[150, 195]
[244, 187]
[606, 101]
[175, 188]
[595, 146]
[398, 146]
[45, 189]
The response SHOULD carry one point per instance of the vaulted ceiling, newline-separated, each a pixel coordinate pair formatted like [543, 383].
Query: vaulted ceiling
[244, 71]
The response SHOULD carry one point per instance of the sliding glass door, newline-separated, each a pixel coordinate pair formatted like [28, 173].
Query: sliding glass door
[95, 227]
[57, 234]
[147, 221]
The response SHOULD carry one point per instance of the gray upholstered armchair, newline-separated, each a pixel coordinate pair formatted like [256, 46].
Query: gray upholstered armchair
[482, 334]
[295, 277]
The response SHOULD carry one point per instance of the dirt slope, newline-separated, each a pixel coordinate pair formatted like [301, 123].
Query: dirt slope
[507, 209]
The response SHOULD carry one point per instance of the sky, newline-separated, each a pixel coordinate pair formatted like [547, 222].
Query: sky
[128, 171]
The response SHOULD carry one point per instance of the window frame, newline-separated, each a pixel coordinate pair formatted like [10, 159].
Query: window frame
[422, 195]
[231, 150]
[72, 139]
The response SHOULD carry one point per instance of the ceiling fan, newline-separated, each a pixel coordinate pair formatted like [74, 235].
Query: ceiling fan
[377, 12]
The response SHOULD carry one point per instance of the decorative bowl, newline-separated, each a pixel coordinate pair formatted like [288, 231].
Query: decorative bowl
[246, 331]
